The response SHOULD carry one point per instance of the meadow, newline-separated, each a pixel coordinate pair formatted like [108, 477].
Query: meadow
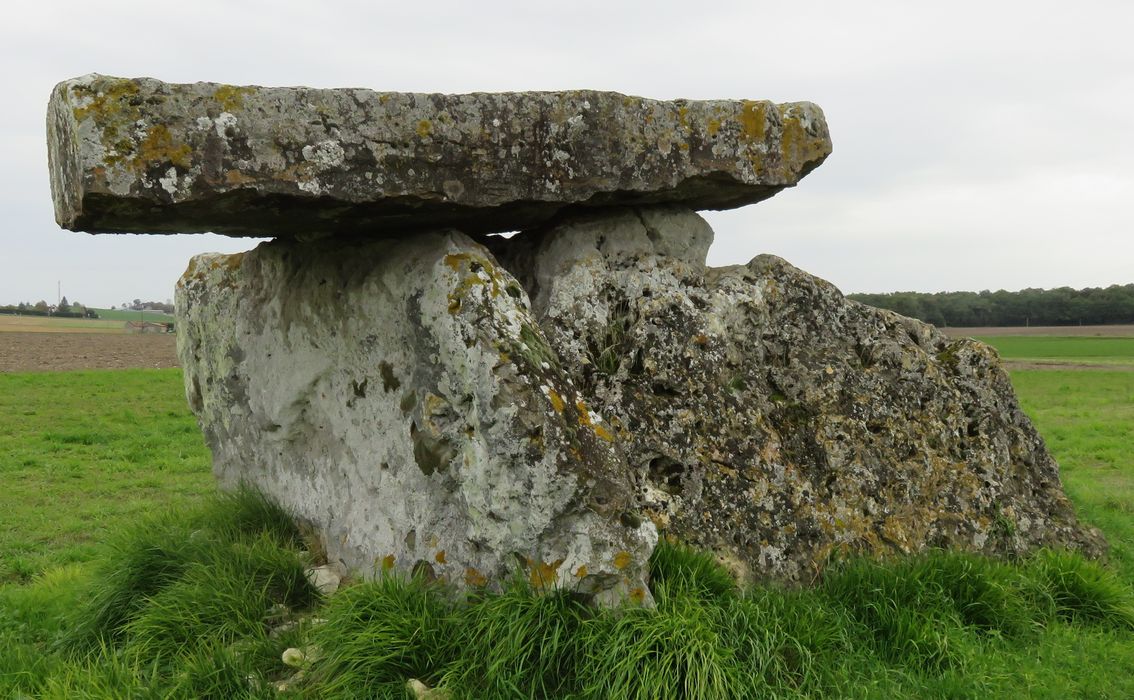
[1115, 352]
[123, 575]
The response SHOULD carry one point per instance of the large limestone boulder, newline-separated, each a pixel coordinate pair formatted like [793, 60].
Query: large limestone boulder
[143, 156]
[400, 397]
[773, 421]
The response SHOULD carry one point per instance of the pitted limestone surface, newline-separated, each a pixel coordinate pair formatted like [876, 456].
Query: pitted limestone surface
[143, 156]
[773, 421]
[400, 396]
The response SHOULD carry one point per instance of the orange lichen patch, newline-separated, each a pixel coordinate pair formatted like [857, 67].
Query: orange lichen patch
[388, 562]
[586, 422]
[191, 270]
[159, 147]
[474, 577]
[234, 262]
[753, 120]
[701, 339]
[456, 260]
[556, 400]
[236, 178]
[231, 97]
[622, 560]
[543, 575]
[230, 263]
[637, 595]
[439, 557]
[581, 572]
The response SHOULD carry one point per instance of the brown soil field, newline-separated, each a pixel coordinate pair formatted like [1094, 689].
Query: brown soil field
[1065, 366]
[48, 352]
[1061, 331]
[45, 324]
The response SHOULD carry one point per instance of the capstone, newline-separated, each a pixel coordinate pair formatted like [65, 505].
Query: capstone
[140, 155]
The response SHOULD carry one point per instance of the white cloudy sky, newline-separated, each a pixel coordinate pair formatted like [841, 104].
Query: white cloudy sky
[977, 144]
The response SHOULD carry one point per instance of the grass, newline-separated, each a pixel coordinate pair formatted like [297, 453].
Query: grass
[82, 453]
[204, 603]
[119, 315]
[124, 577]
[1080, 350]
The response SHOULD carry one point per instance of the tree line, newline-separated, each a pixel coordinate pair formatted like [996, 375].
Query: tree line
[1029, 307]
[42, 308]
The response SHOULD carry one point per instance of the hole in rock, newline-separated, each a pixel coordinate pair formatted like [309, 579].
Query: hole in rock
[389, 381]
[359, 388]
[667, 474]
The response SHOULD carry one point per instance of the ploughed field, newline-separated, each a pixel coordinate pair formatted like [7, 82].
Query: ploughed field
[36, 344]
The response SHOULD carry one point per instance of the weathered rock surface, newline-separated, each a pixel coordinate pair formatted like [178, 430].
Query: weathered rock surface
[406, 398]
[140, 155]
[773, 421]
[399, 396]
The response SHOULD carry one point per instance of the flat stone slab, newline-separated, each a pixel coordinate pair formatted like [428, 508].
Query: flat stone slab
[143, 156]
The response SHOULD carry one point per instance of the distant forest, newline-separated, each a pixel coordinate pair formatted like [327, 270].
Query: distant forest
[1030, 307]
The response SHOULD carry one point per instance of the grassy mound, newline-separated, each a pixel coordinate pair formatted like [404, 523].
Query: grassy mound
[205, 603]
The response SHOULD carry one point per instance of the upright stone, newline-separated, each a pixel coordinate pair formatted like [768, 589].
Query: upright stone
[399, 396]
[140, 155]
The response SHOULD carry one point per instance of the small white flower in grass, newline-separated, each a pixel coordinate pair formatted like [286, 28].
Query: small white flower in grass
[293, 657]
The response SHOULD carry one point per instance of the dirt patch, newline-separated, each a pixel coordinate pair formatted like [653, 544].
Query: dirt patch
[1065, 366]
[1115, 331]
[54, 352]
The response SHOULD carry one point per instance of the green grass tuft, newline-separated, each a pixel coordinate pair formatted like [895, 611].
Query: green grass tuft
[1081, 591]
[683, 569]
[380, 634]
[674, 651]
[181, 572]
[520, 643]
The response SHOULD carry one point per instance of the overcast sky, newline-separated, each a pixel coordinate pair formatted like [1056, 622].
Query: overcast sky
[977, 145]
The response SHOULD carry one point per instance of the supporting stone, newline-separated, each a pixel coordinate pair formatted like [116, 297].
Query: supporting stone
[769, 419]
[400, 397]
[140, 155]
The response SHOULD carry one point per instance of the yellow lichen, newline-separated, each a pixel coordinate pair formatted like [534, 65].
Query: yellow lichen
[637, 595]
[753, 120]
[584, 414]
[556, 400]
[622, 560]
[544, 575]
[474, 577]
[581, 572]
[235, 178]
[159, 147]
[424, 128]
[714, 127]
[388, 562]
[440, 557]
[111, 101]
[799, 148]
[231, 97]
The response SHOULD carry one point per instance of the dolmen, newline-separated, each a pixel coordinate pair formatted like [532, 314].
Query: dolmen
[432, 398]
